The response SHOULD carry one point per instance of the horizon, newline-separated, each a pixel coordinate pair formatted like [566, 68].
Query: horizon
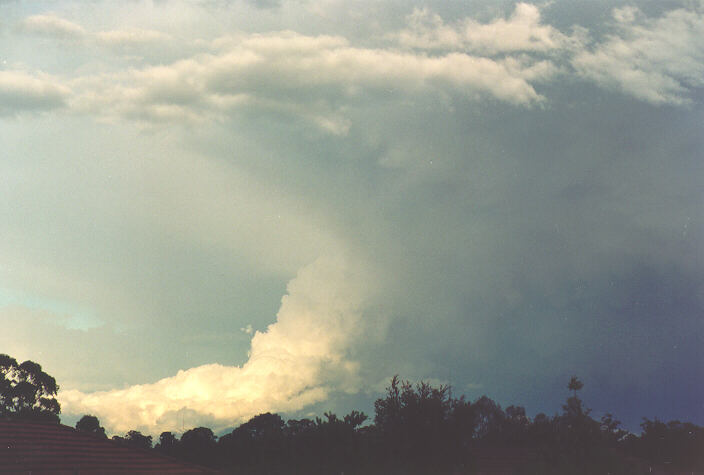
[215, 210]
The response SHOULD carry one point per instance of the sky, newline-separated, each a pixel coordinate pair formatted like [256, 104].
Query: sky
[213, 209]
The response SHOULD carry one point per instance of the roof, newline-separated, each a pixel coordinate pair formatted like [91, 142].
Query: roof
[501, 460]
[40, 448]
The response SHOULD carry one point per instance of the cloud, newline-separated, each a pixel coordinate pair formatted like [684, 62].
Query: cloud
[317, 78]
[131, 37]
[297, 75]
[53, 26]
[61, 29]
[23, 92]
[521, 32]
[265, 3]
[658, 60]
[281, 73]
[297, 361]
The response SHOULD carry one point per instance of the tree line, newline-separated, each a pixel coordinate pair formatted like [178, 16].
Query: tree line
[417, 429]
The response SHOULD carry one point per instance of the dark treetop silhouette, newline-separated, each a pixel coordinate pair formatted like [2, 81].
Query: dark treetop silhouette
[91, 425]
[417, 429]
[27, 392]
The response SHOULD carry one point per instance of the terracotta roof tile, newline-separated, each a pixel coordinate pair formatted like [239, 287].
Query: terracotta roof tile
[37, 448]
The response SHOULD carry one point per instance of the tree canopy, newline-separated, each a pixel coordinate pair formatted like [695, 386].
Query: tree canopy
[417, 429]
[91, 425]
[27, 392]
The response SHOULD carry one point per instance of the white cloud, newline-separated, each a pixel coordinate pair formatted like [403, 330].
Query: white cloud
[22, 91]
[54, 26]
[61, 29]
[313, 78]
[658, 60]
[284, 73]
[316, 78]
[522, 31]
[297, 361]
[130, 37]
[296, 75]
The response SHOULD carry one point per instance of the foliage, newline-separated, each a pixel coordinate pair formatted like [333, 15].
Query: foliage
[91, 425]
[168, 444]
[420, 429]
[575, 385]
[678, 443]
[417, 429]
[135, 438]
[198, 445]
[27, 392]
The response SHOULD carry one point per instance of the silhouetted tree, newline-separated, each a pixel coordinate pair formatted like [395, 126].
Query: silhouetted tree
[256, 442]
[574, 410]
[354, 419]
[463, 423]
[265, 426]
[135, 438]
[298, 427]
[582, 445]
[414, 421]
[168, 444]
[301, 438]
[673, 443]
[515, 427]
[575, 385]
[337, 441]
[418, 429]
[27, 392]
[611, 430]
[542, 431]
[91, 425]
[490, 420]
[199, 445]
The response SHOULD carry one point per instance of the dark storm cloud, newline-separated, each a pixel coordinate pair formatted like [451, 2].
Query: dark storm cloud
[517, 253]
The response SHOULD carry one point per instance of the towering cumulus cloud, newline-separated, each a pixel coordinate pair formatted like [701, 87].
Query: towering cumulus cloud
[294, 363]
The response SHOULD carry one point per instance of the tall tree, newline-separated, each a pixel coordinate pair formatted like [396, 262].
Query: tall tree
[575, 385]
[27, 392]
